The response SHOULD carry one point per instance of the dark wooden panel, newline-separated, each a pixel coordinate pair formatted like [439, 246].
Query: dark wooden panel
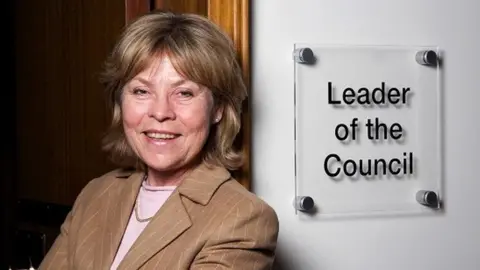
[60, 48]
[135, 8]
[7, 151]
[183, 6]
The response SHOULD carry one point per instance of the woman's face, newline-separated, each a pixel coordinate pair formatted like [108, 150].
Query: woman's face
[166, 117]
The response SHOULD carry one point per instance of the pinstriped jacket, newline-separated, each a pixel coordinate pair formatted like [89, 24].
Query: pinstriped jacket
[209, 222]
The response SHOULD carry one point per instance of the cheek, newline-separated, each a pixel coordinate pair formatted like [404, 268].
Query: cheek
[197, 118]
[132, 114]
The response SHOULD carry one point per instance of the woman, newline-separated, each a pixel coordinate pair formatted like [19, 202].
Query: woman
[176, 92]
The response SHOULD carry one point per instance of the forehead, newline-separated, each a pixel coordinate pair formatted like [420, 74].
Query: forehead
[160, 67]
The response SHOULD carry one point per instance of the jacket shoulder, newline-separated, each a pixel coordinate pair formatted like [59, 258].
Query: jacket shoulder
[234, 194]
[99, 184]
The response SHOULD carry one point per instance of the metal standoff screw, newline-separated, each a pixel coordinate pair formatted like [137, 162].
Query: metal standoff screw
[304, 203]
[428, 58]
[427, 198]
[303, 56]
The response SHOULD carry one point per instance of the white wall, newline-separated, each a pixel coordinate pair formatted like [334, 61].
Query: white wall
[446, 242]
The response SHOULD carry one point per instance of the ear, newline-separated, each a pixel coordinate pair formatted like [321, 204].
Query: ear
[217, 114]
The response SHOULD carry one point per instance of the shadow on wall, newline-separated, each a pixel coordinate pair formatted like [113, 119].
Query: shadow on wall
[279, 263]
[284, 263]
[285, 260]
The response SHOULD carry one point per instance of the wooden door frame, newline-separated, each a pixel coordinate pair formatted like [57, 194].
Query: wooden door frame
[233, 16]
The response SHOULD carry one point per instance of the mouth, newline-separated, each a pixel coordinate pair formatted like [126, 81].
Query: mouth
[161, 136]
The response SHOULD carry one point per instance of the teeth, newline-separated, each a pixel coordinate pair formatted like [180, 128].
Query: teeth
[160, 135]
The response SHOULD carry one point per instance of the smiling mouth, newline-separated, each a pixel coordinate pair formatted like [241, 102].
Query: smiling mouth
[161, 136]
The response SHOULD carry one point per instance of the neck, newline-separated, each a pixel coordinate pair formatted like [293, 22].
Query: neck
[170, 177]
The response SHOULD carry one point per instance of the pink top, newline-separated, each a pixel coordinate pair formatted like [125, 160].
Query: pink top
[150, 199]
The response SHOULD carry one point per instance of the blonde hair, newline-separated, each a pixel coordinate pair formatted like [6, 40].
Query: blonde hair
[201, 52]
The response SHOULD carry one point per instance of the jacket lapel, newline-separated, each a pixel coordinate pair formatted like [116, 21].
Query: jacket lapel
[170, 221]
[173, 219]
[121, 202]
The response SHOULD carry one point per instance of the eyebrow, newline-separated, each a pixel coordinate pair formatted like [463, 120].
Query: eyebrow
[175, 84]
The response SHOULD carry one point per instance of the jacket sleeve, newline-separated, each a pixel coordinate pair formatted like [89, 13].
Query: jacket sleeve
[58, 255]
[245, 239]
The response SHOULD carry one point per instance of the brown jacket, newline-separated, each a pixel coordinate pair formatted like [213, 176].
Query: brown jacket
[209, 222]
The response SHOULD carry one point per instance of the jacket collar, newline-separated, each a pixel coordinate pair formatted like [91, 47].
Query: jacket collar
[168, 223]
[199, 185]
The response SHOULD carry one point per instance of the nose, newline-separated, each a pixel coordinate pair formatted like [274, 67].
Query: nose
[162, 109]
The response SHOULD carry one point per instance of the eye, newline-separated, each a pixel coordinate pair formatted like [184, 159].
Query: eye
[185, 93]
[139, 92]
